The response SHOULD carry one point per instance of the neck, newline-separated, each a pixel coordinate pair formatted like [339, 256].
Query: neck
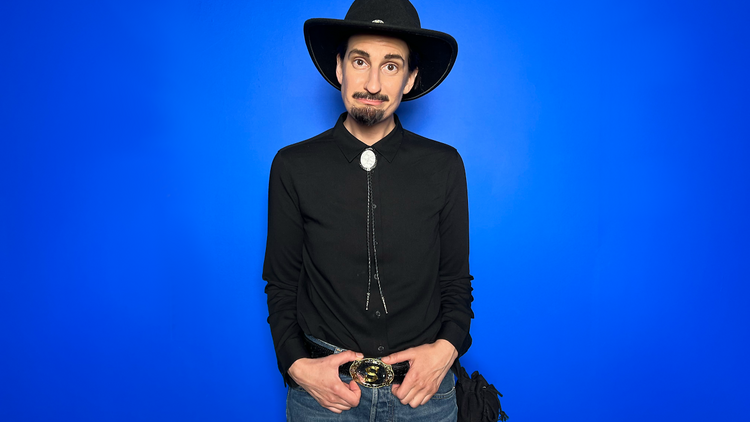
[369, 134]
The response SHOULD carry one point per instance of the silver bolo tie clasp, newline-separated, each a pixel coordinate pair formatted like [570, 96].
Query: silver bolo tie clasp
[368, 160]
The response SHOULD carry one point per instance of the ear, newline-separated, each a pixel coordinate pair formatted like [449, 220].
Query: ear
[339, 70]
[410, 81]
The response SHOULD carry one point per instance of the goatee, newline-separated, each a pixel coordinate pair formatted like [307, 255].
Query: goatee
[368, 116]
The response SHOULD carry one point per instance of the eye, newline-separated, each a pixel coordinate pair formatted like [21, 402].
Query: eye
[359, 63]
[390, 68]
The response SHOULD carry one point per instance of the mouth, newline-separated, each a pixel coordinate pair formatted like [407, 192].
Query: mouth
[369, 99]
[369, 102]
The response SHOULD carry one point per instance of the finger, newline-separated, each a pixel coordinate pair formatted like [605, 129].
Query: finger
[335, 402]
[338, 395]
[398, 357]
[354, 387]
[415, 397]
[357, 392]
[406, 386]
[425, 400]
[410, 397]
[347, 395]
[341, 406]
[405, 390]
[332, 403]
[416, 401]
[352, 400]
[395, 388]
[405, 393]
[333, 409]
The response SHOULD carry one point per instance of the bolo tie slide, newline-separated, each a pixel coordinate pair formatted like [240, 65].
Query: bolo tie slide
[368, 160]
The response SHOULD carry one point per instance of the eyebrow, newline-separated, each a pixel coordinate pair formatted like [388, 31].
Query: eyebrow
[395, 56]
[359, 52]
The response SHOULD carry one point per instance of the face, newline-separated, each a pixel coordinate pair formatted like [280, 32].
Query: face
[374, 75]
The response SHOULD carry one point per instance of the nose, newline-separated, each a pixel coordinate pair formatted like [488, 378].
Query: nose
[373, 81]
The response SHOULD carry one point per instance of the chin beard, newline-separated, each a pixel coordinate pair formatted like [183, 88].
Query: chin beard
[368, 116]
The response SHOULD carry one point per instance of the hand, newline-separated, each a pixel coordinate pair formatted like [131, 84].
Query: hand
[429, 364]
[320, 378]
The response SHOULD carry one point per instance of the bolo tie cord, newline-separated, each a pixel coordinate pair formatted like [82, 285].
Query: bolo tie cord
[367, 161]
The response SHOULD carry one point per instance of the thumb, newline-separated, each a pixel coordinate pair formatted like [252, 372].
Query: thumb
[348, 356]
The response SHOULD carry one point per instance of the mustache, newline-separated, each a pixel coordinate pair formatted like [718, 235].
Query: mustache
[368, 96]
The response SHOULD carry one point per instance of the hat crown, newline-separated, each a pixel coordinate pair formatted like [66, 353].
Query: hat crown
[388, 12]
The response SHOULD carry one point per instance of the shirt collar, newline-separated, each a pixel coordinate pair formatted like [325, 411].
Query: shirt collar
[352, 147]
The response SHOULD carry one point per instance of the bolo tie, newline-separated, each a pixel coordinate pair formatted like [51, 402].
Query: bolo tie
[368, 160]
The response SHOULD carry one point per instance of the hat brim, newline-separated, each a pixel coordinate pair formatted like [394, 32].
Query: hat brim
[437, 50]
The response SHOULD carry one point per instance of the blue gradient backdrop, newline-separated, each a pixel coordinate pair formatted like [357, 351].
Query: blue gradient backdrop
[606, 147]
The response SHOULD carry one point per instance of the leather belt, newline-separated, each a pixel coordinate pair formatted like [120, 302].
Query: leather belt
[368, 372]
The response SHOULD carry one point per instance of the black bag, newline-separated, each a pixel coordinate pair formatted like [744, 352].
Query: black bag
[477, 400]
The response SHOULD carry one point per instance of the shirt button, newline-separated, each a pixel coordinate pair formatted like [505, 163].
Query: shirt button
[377, 314]
[381, 348]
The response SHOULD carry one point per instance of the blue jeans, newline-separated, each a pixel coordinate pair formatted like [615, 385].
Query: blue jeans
[375, 404]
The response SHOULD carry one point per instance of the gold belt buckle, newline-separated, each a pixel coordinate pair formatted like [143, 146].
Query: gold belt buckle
[371, 372]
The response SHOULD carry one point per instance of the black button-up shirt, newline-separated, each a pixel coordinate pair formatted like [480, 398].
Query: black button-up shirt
[316, 264]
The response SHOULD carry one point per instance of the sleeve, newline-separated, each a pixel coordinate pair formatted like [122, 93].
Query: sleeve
[282, 266]
[455, 280]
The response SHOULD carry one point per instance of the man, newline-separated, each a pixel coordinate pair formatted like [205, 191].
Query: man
[367, 270]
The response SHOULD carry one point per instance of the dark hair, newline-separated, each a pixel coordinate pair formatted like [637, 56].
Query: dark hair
[412, 61]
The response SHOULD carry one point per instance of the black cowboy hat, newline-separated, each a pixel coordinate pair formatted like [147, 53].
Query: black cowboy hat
[397, 18]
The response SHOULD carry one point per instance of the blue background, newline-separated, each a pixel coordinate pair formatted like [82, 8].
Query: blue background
[606, 148]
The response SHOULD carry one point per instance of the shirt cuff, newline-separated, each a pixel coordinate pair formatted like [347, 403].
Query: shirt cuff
[291, 350]
[459, 338]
